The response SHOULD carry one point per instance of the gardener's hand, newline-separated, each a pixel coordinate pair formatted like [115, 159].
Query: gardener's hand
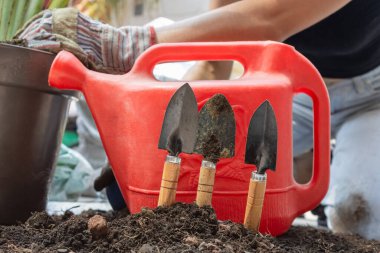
[99, 46]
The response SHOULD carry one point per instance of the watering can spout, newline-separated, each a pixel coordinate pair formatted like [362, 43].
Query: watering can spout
[67, 72]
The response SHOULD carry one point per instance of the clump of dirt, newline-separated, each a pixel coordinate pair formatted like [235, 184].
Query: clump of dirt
[16, 42]
[216, 130]
[218, 106]
[40, 220]
[180, 228]
[351, 213]
[212, 148]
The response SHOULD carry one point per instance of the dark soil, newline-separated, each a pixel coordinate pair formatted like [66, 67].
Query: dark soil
[181, 228]
[216, 130]
[17, 42]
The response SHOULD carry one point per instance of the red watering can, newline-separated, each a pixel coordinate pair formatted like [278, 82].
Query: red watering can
[129, 110]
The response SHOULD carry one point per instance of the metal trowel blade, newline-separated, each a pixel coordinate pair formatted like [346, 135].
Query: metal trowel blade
[261, 149]
[179, 127]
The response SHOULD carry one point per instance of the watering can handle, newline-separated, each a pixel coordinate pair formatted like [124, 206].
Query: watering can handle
[254, 56]
[309, 81]
[67, 72]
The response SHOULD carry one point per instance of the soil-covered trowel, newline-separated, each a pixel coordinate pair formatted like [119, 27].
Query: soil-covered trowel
[215, 140]
[261, 150]
[178, 134]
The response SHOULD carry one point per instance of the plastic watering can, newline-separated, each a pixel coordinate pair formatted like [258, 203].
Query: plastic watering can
[129, 110]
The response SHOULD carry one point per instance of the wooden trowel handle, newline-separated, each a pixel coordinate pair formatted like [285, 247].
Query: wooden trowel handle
[169, 181]
[255, 201]
[206, 184]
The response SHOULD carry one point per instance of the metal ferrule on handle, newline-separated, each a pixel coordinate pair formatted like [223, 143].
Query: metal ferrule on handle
[173, 159]
[206, 183]
[208, 164]
[255, 201]
[169, 181]
[258, 177]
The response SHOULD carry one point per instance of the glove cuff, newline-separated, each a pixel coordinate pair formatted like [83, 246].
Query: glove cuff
[122, 46]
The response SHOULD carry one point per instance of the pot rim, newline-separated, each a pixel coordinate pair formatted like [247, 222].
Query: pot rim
[4, 44]
[46, 60]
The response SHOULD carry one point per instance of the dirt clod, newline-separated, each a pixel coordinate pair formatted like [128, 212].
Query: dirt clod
[146, 248]
[40, 220]
[98, 226]
[180, 228]
[17, 42]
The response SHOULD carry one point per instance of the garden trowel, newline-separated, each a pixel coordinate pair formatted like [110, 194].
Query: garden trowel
[178, 134]
[261, 150]
[215, 140]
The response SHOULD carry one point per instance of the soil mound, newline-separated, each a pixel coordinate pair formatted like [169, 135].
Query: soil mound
[180, 228]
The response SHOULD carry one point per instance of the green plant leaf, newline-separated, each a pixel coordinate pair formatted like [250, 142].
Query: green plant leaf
[17, 18]
[6, 11]
[34, 7]
[58, 4]
[1, 13]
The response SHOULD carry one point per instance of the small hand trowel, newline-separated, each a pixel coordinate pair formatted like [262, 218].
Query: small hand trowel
[178, 134]
[261, 150]
[215, 140]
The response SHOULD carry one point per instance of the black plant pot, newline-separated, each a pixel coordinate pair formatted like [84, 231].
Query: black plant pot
[32, 121]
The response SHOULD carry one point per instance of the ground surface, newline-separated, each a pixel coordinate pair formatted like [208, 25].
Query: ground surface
[182, 228]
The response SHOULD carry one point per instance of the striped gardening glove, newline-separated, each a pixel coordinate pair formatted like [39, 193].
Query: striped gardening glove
[99, 46]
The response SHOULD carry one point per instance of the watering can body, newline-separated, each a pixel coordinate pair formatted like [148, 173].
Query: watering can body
[129, 110]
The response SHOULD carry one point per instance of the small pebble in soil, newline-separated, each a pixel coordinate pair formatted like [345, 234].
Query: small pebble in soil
[191, 240]
[97, 225]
